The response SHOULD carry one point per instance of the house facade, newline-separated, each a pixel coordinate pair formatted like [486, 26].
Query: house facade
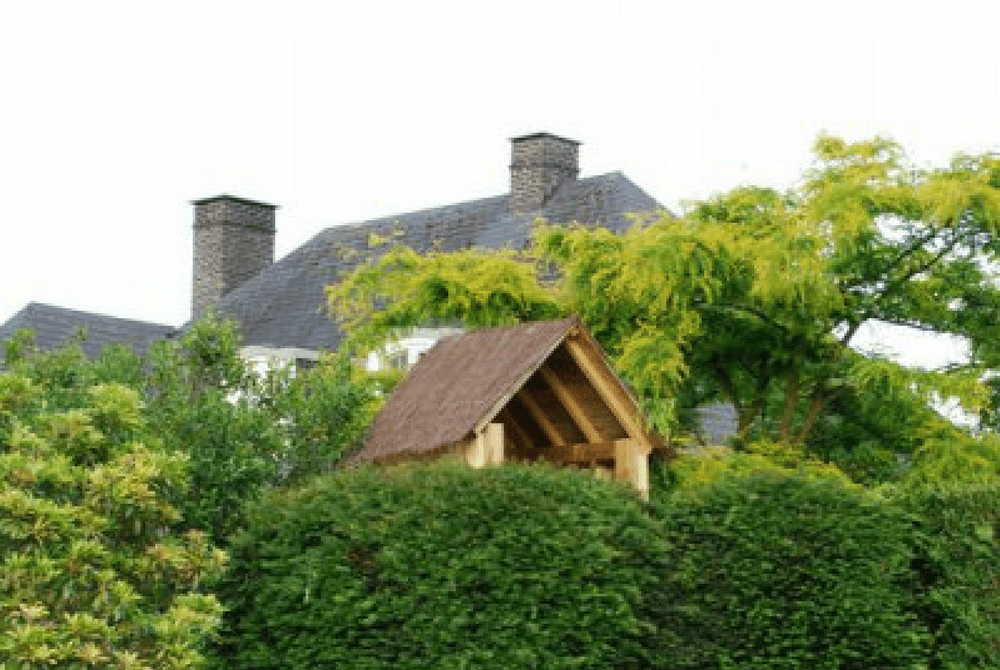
[281, 305]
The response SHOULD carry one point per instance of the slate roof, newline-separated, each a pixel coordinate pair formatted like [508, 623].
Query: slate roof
[460, 382]
[717, 422]
[285, 304]
[53, 326]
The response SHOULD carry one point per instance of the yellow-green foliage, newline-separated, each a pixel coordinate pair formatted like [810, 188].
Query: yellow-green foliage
[753, 297]
[91, 575]
[404, 289]
[697, 469]
[955, 459]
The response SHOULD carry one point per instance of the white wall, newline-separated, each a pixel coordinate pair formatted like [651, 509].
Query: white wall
[406, 350]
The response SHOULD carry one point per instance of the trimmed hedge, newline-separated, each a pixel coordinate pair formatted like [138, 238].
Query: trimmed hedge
[442, 566]
[771, 572]
[958, 567]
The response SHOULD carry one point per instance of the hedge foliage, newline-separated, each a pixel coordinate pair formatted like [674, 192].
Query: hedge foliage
[958, 566]
[772, 572]
[447, 567]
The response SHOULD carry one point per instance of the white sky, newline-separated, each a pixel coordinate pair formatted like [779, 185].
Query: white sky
[115, 115]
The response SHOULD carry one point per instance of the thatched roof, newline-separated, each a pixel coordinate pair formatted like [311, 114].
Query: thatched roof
[466, 381]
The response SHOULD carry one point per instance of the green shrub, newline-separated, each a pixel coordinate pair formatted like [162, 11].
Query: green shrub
[773, 572]
[443, 566]
[95, 569]
[959, 571]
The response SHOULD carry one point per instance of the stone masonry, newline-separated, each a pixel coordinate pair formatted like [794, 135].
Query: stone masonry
[539, 164]
[233, 241]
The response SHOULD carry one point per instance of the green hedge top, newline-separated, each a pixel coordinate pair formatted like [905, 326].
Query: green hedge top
[771, 572]
[958, 570]
[447, 567]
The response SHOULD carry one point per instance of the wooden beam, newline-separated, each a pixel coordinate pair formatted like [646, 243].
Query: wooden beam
[580, 453]
[535, 410]
[524, 446]
[516, 428]
[506, 398]
[612, 397]
[492, 439]
[569, 401]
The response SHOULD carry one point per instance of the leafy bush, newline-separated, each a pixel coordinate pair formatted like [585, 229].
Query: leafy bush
[322, 413]
[773, 572]
[196, 396]
[959, 570]
[244, 434]
[233, 451]
[443, 566]
[94, 571]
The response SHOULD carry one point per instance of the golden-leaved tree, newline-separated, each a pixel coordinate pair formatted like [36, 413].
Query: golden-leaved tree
[753, 297]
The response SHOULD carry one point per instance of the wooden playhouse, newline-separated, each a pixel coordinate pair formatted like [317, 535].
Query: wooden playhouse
[539, 390]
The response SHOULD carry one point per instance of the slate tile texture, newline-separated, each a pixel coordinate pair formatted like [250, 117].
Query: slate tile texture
[54, 326]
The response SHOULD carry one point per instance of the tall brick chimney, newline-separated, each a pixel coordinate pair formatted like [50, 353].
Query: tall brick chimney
[539, 164]
[233, 241]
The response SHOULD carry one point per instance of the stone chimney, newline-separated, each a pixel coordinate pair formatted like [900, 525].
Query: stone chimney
[233, 241]
[539, 164]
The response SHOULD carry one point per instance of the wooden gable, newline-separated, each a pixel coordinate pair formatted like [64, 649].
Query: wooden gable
[537, 391]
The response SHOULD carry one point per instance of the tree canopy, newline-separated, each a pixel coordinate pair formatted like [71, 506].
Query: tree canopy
[754, 296]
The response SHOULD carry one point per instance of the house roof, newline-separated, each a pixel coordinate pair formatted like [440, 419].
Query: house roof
[54, 326]
[285, 304]
[465, 381]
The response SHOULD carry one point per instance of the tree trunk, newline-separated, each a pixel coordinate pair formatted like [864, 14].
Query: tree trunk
[791, 400]
[816, 403]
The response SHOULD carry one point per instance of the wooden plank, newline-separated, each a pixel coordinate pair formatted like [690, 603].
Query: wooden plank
[569, 401]
[475, 453]
[580, 453]
[597, 374]
[538, 415]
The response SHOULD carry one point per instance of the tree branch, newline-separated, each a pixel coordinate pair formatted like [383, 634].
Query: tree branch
[746, 420]
[913, 248]
[922, 267]
[753, 311]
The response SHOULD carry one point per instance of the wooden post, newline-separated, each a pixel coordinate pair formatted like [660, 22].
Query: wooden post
[632, 464]
[493, 443]
[486, 448]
